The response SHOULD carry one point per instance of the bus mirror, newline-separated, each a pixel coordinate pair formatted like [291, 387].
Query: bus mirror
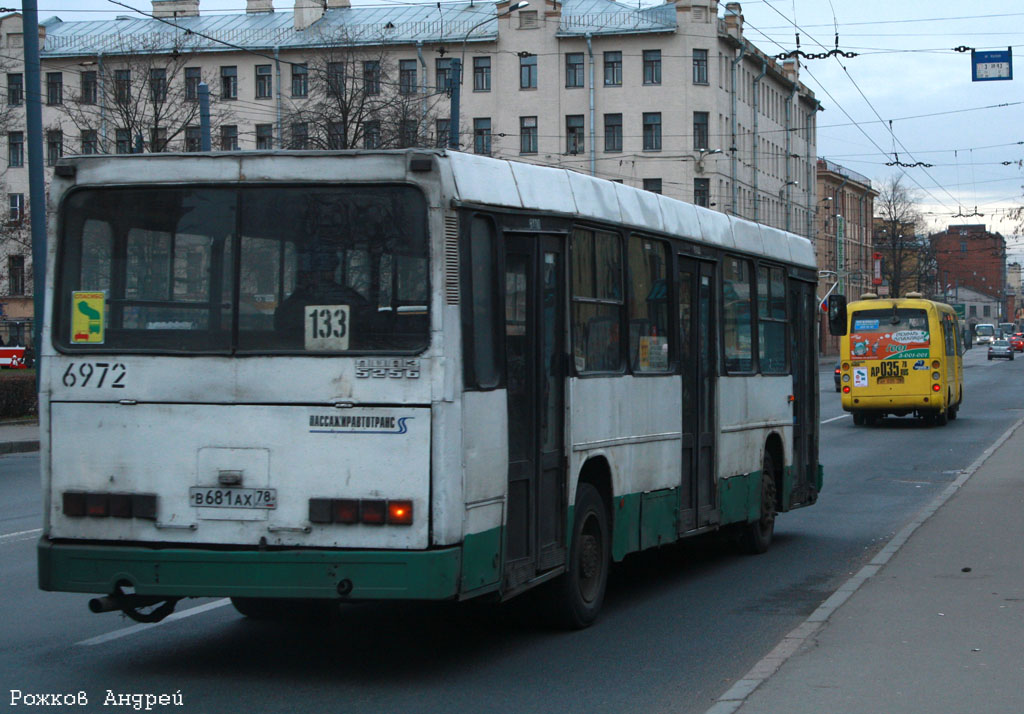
[837, 314]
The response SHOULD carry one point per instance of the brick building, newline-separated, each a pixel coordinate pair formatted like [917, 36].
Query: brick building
[972, 257]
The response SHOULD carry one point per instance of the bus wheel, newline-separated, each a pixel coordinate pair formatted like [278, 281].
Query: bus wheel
[941, 417]
[757, 536]
[953, 411]
[858, 419]
[580, 591]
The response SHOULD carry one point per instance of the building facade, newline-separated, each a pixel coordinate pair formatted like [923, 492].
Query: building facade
[671, 97]
[970, 256]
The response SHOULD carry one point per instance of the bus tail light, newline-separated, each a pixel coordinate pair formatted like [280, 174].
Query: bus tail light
[400, 513]
[935, 364]
[115, 505]
[374, 512]
[936, 387]
[846, 389]
[346, 510]
[936, 375]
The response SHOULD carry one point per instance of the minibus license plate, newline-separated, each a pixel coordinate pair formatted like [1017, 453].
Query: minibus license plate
[204, 497]
[890, 380]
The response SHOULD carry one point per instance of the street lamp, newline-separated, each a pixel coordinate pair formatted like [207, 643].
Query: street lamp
[698, 161]
[456, 76]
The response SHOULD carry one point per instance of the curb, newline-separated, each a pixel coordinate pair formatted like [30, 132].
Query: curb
[18, 447]
[736, 696]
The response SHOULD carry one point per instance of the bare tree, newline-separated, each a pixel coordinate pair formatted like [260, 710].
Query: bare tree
[138, 96]
[904, 265]
[360, 96]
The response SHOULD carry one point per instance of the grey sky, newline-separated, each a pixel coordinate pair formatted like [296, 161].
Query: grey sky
[906, 71]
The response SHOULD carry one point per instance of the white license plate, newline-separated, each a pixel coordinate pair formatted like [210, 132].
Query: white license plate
[204, 497]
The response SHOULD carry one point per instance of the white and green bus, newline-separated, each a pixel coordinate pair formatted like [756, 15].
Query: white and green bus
[322, 376]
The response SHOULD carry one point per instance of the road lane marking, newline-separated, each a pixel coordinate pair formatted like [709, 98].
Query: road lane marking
[20, 535]
[134, 629]
[841, 416]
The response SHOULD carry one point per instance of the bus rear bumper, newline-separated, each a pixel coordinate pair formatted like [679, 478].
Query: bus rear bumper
[196, 572]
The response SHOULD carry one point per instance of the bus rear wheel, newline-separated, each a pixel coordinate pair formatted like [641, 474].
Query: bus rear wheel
[757, 536]
[579, 593]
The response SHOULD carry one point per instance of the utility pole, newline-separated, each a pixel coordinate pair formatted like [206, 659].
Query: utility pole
[36, 187]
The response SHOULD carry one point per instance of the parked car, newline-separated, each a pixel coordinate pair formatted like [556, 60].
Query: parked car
[1017, 342]
[1000, 348]
[837, 376]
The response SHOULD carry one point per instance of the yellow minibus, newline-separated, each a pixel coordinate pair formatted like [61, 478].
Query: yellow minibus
[901, 356]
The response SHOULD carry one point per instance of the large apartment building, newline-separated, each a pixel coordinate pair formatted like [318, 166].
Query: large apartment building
[670, 97]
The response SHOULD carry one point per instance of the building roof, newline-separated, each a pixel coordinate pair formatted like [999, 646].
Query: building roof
[368, 25]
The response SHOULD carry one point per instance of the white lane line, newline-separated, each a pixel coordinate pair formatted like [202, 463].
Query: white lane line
[841, 416]
[20, 535]
[118, 634]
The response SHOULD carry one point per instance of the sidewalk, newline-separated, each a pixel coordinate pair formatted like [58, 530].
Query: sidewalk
[18, 437]
[934, 624]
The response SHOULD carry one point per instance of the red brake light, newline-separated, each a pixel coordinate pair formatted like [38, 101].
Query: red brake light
[373, 512]
[96, 504]
[400, 513]
[346, 510]
[936, 387]
[846, 389]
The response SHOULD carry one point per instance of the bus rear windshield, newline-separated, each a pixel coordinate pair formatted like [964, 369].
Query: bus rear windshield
[259, 269]
[883, 333]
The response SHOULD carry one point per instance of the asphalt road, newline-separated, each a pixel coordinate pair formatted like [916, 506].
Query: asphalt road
[680, 624]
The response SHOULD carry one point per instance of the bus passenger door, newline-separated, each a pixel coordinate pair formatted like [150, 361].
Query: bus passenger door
[697, 360]
[535, 365]
[803, 347]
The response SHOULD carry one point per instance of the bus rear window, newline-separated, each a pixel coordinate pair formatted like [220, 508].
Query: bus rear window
[881, 333]
[251, 270]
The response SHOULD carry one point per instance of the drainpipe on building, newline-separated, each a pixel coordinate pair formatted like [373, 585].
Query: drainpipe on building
[757, 167]
[423, 91]
[837, 205]
[812, 183]
[277, 68]
[103, 105]
[733, 148]
[593, 158]
[789, 151]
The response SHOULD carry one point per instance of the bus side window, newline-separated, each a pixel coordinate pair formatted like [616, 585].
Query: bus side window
[481, 318]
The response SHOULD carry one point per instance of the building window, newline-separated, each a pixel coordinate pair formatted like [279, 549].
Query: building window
[963, 246]
[407, 76]
[335, 135]
[482, 136]
[54, 87]
[443, 71]
[300, 136]
[264, 81]
[123, 141]
[371, 134]
[15, 89]
[973, 311]
[158, 85]
[88, 88]
[90, 145]
[229, 82]
[54, 146]
[613, 132]
[371, 78]
[193, 76]
[702, 192]
[700, 130]
[652, 131]
[335, 79]
[408, 132]
[122, 86]
[574, 134]
[17, 203]
[574, 69]
[264, 136]
[16, 275]
[986, 311]
[441, 128]
[15, 149]
[229, 138]
[157, 139]
[613, 69]
[300, 80]
[528, 72]
[193, 139]
[528, 20]
[700, 66]
[527, 135]
[652, 66]
[481, 74]
[652, 184]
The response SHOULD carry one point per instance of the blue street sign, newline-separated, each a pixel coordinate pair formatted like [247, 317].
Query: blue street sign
[991, 65]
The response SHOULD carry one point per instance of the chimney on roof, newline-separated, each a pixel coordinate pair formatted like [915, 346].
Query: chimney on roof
[307, 12]
[791, 68]
[253, 7]
[175, 8]
[334, 4]
[734, 18]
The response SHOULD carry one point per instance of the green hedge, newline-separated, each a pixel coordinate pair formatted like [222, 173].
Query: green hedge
[17, 393]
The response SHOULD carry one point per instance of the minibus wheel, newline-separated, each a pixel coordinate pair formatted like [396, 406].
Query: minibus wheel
[580, 591]
[757, 536]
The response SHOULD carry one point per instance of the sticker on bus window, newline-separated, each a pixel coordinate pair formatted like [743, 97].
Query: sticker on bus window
[860, 376]
[859, 325]
[653, 353]
[88, 310]
[326, 328]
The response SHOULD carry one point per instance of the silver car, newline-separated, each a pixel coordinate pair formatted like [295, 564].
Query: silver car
[1000, 348]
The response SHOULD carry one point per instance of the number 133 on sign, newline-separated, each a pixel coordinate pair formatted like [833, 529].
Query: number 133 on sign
[327, 327]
